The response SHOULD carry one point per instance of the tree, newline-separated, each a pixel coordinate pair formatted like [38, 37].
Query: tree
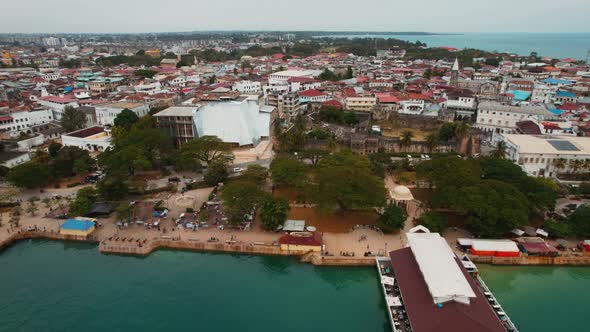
[575, 165]
[32, 206]
[328, 75]
[125, 211]
[434, 221]
[499, 151]
[288, 172]
[71, 160]
[557, 229]
[273, 212]
[83, 202]
[15, 215]
[346, 181]
[560, 164]
[47, 202]
[256, 173]
[216, 172]
[240, 197]
[126, 119]
[204, 149]
[579, 221]
[349, 72]
[431, 142]
[406, 138]
[29, 175]
[72, 119]
[112, 188]
[54, 148]
[146, 73]
[392, 219]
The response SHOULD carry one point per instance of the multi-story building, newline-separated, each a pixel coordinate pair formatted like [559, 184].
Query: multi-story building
[546, 155]
[17, 122]
[500, 118]
[93, 139]
[247, 87]
[360, 104]
[106, 113]
[178, 123]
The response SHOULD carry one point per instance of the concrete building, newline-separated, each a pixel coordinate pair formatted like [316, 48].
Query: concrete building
[247, 87]
[546, 155]
[242, 123]
[17, 122]
[10, 159]
[90, 139]
[360, 104]
[501, 118]
[106, 114]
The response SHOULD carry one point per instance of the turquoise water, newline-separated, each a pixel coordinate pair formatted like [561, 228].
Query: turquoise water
[55, 286]
[542, 298]
[558, 45]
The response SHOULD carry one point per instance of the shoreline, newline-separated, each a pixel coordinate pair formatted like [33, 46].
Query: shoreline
[145, 250]
[314, 258]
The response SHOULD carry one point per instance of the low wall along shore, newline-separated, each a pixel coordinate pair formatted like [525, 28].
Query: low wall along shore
[133, 248]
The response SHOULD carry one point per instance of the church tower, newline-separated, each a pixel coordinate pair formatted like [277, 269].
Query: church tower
[454, 82]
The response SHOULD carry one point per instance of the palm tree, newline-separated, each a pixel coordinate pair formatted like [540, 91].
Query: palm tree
[431, 142]
[586, 165]
[461, 130]
[406, 139]
[576, 165]
[560, 164]
[500, 151]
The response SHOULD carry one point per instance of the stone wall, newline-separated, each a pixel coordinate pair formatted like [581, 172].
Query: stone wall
[532, 260]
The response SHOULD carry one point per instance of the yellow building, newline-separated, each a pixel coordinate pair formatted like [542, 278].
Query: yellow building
[301, 241]
[153, 53]
[78, 227]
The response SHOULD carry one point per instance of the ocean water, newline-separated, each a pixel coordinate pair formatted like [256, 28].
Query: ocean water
[60, 286]
[557, 45]
[541, 298]
[55, 286]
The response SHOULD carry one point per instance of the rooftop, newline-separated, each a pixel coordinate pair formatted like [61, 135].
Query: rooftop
[178, 111]
[561, 145]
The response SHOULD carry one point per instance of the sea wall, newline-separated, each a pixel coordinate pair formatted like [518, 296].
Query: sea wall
[319, 260]
[112, 247]
[15, 237]
[532, 260]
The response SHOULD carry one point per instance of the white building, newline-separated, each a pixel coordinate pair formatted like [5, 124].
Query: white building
[537, 155]
[411, 106]
[90, 139]
[500, 118]
[360, 104]
[57, 104]
[282, 77]
[247, 87]
[17, 122]
[543, 93]
[106, 114]
[12, 159]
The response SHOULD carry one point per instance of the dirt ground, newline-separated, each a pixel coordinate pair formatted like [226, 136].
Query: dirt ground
[333, 222]
[389, 129]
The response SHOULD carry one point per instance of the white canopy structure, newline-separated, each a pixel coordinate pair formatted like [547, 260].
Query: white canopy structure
[393, 301]
[401, 193]
[517, 232]
[542, 232]
[387, 280]
[495, 245]
[237, 122]
[294, 226]
[419, 229]
[437, 262]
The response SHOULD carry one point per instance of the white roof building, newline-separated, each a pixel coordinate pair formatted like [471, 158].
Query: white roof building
[237, 122]
[437, 262]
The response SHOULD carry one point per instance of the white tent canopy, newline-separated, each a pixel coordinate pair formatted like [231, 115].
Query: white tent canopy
[437, 262]
[393, 301]
[542, 232]
[387, 280]
[419, 229]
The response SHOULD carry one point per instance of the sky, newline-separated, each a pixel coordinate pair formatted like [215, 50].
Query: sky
[114, 16]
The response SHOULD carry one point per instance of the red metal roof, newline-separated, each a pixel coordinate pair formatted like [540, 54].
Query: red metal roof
[314, 239]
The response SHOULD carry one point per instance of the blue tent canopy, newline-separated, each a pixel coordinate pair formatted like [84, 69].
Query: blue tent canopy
[77, 225]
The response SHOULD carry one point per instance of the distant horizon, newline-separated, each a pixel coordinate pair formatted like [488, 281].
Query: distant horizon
[294, 31]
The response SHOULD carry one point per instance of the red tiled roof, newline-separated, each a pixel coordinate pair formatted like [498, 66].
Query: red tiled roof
[311, 93]
[333, 103]
[426, 316]
[313, 239]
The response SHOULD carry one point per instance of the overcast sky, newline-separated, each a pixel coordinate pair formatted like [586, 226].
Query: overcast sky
[342, 15]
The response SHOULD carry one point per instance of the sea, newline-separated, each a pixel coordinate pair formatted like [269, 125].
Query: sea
[556, 45]
[63, 286]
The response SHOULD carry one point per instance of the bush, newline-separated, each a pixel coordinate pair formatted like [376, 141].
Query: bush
[393, 219]
[434, 221]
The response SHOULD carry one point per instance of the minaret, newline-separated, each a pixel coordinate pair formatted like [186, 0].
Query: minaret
[454, 82]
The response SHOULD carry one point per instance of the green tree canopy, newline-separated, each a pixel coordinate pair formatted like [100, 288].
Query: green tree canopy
[71, 160]
[126, 119]
[256, 173]
[346, 181]
[216, 172]
[240, 197]
[579, 221]
[288, 172]
[435, 222]
[204, 149]
[72, 119]
[273, 212]
[31, 174]
[392, 219]
[83, 202]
